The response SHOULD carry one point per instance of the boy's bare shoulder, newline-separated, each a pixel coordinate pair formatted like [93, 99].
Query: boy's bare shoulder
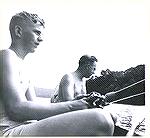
[6, 54]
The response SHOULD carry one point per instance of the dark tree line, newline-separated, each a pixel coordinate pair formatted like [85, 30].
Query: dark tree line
[115, 80]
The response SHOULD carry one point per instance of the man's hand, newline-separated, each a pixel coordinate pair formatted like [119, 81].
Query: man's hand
[95, 99]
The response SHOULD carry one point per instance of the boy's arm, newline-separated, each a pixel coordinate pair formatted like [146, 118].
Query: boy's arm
[16, 105]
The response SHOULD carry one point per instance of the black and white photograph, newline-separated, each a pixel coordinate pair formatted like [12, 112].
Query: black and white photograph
[74, 68]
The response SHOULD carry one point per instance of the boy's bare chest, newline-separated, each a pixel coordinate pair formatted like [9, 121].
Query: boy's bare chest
[24, 80]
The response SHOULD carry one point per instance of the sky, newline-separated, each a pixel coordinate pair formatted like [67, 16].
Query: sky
[117, 32]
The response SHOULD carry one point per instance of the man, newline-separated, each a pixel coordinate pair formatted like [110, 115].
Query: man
[72, 84]
[20, 115]
[72, 87]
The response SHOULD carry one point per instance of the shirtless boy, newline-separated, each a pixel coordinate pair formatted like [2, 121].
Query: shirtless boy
[69, 118]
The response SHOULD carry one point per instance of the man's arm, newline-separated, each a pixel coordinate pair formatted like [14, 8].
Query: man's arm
[16, 105]
[67, 88]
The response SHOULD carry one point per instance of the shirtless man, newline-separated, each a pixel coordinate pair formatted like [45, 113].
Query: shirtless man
[72, 87]
[72, 84]
[17, 106]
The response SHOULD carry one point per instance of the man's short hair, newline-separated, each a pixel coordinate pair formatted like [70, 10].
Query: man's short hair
[25, 17]
[86, 59]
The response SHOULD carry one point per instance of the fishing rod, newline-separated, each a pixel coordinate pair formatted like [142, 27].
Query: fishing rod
[130, 91]
[98, 100]
[130, 86]
[127, 98]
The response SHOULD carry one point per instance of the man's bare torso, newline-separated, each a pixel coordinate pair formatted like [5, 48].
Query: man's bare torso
[76, 84]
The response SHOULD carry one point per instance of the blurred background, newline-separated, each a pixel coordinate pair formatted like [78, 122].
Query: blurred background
[116, 32]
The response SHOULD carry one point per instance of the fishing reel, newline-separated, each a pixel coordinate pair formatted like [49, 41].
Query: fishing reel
[96, 100]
